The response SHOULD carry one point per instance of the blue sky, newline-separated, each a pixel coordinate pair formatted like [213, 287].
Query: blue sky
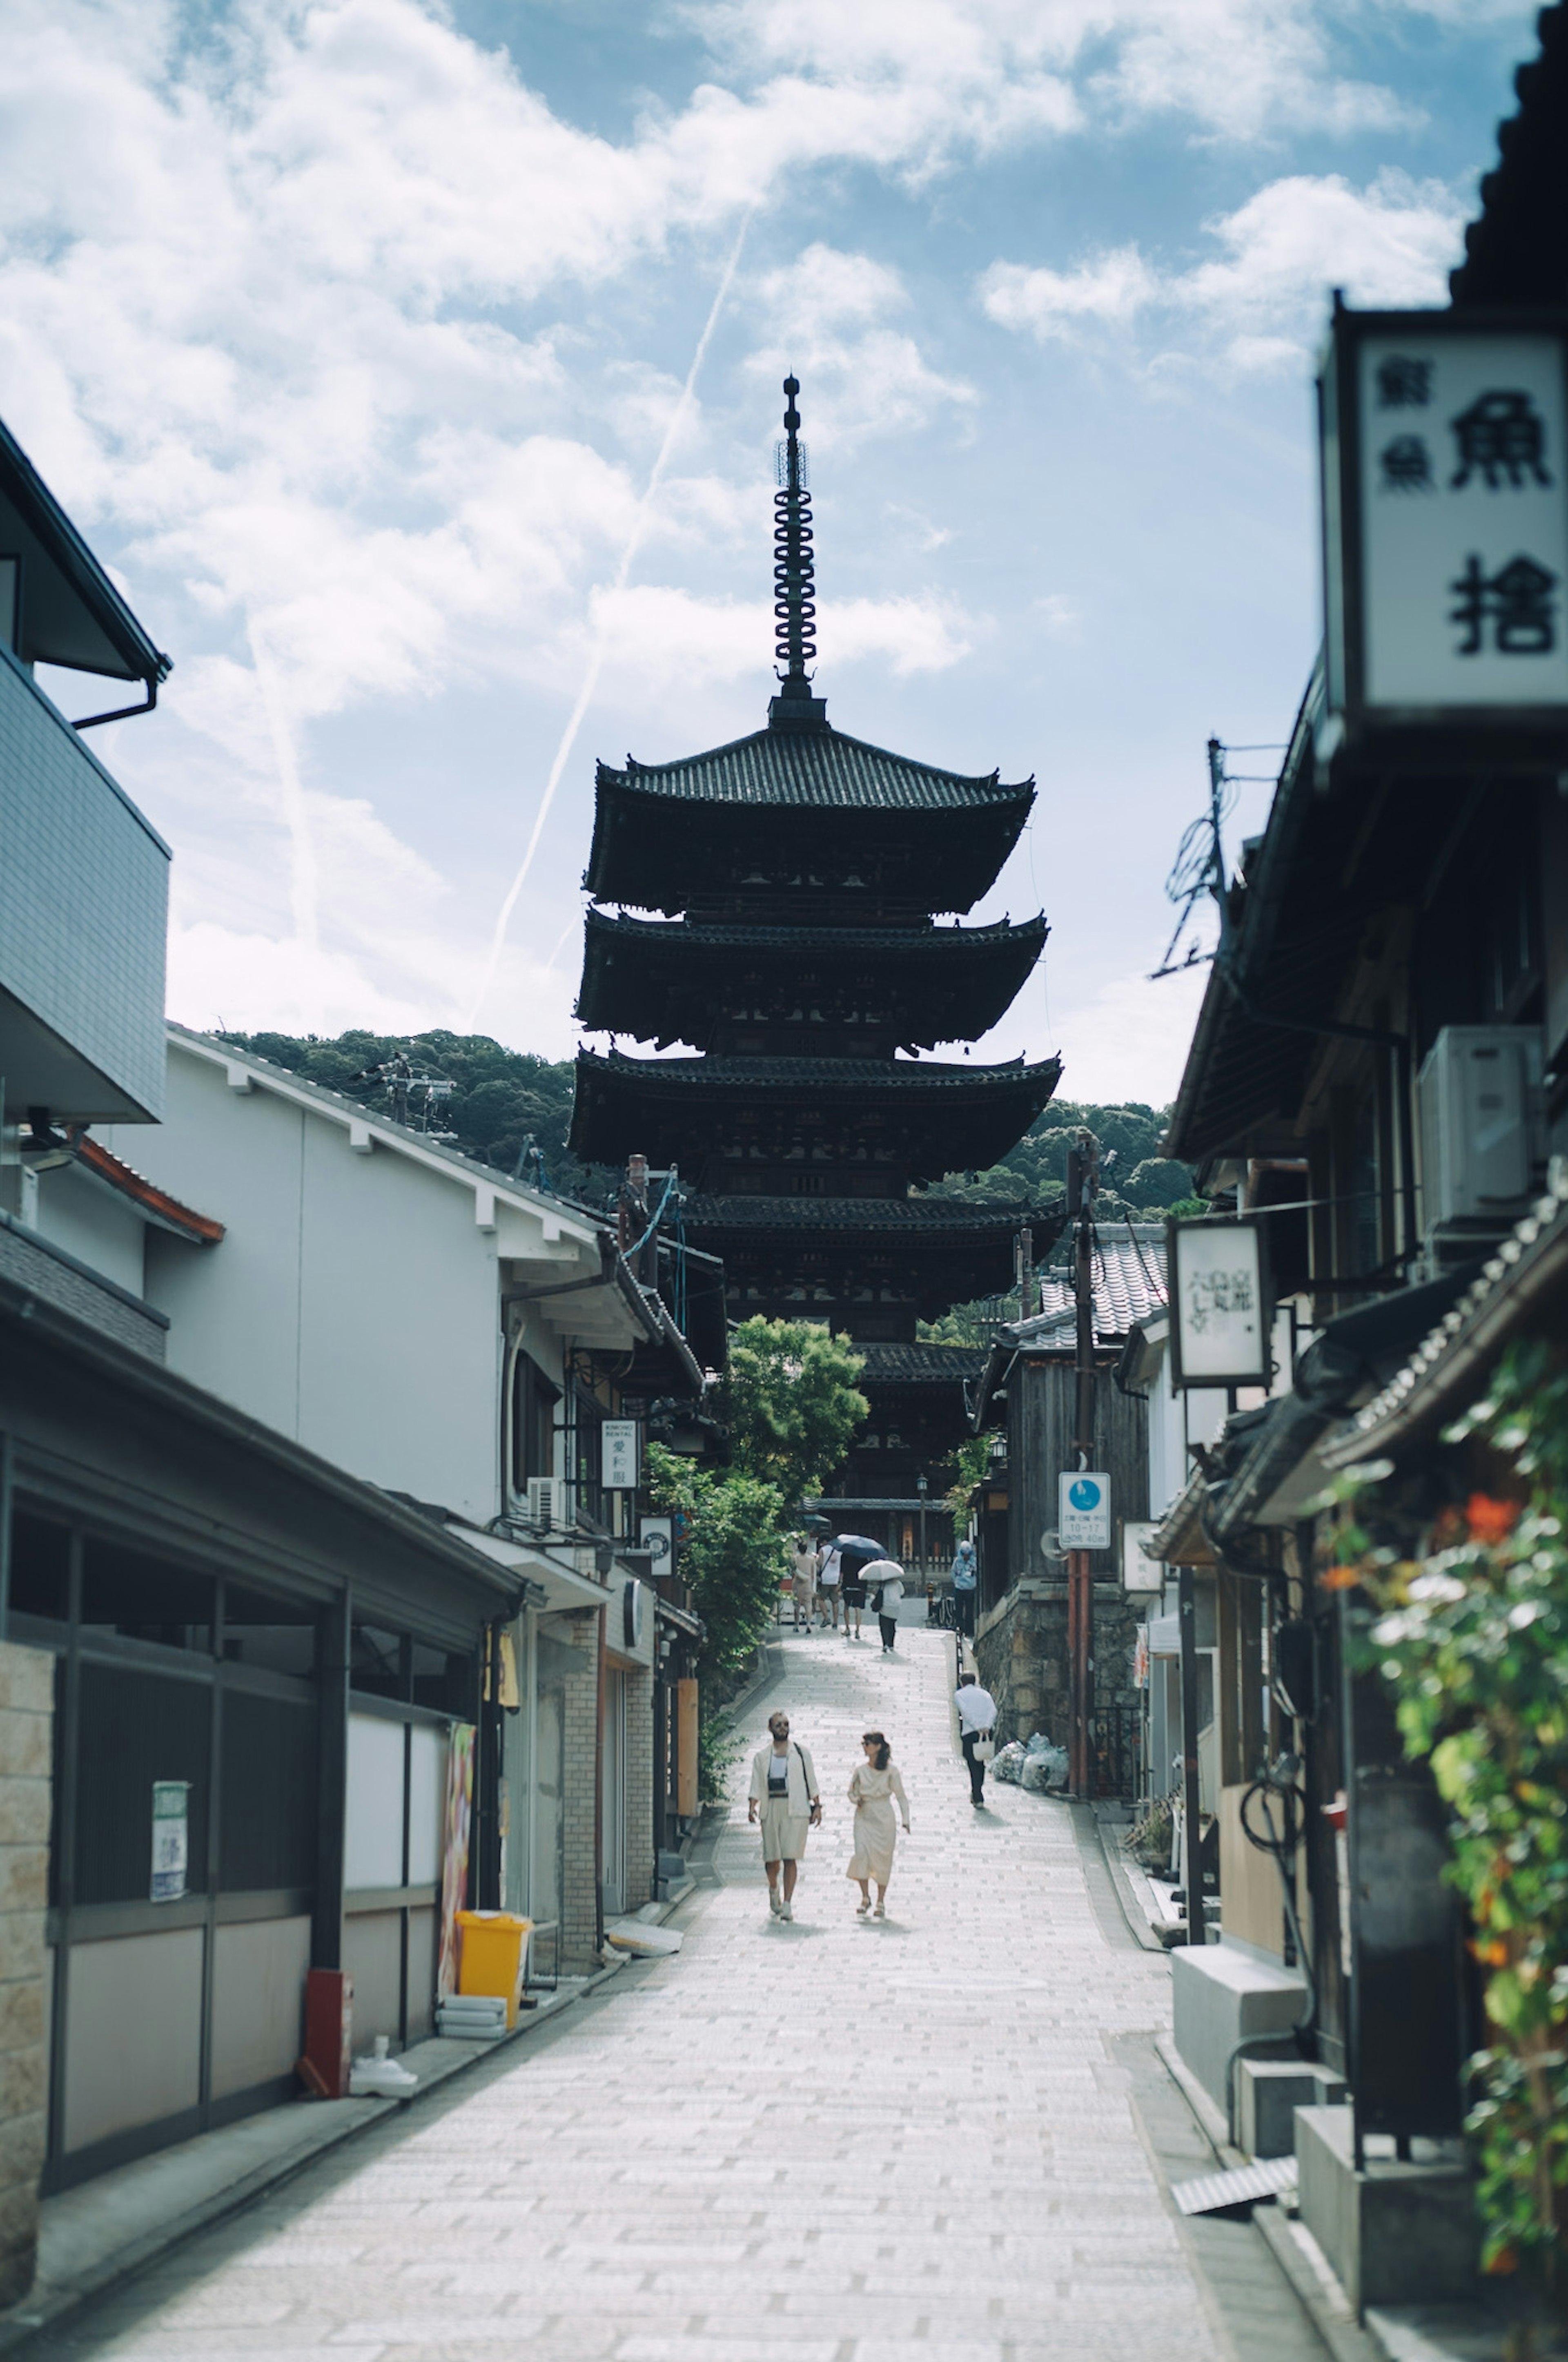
[352, 331]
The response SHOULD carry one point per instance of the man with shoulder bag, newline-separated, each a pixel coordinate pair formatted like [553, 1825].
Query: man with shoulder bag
[977, 1721]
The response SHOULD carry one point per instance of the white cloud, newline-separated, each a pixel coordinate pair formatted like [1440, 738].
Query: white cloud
[827, 317]
[1266, 293]
[1130, 1041]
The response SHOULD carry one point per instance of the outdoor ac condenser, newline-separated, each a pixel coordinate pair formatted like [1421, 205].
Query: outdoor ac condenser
[1480, 1092]
[545, 1501]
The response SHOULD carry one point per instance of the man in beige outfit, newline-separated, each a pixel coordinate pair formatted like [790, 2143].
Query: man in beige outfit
[784, 1798]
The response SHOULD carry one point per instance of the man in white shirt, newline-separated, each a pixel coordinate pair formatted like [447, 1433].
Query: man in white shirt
[977, 1719]
[785, 1799]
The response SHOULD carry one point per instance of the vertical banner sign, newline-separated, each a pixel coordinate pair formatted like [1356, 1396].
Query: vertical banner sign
[620, 1456]
[1083, 1509]
[1138, 1572]
[1220, 1327]
[454, 1849]
[1446, 517]
[170, 1838]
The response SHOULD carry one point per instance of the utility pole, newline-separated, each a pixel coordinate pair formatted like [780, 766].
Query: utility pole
[1082, 1186]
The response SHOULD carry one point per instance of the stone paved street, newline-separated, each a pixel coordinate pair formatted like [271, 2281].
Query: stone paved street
[835, 2141]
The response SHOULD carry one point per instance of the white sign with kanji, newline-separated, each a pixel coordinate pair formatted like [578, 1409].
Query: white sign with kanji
[1463, 442]
[620, 1465]
[1220, 1330]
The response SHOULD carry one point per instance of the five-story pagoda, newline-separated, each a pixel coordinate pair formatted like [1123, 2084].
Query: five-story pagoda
[799, 875]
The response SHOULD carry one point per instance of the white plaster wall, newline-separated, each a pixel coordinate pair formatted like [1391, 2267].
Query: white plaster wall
[352, 1304]
[89, 1223]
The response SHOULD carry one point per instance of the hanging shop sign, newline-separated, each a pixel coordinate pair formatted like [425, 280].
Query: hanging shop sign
[621, 1448]
[170, 1838]
[1138, 1572]
[1445, 440]
[658, 1538]
[1219, 1316]
[1083, 1509]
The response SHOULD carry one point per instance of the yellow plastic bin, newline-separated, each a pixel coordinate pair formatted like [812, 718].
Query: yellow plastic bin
[492, 1946]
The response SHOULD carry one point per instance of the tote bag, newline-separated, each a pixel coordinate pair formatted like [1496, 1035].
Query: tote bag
[984, 1748]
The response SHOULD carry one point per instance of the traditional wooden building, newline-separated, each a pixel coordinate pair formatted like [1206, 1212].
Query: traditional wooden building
[800, 876]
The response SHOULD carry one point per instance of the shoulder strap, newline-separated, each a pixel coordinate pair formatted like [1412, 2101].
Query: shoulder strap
[803, 1772]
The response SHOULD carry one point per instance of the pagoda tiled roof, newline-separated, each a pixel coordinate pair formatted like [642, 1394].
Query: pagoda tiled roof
[819, 767]
[954, 941]
[942, 1220]
[821, 1077]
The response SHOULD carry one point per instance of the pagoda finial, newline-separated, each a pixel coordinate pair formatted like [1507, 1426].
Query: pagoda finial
[794, 600]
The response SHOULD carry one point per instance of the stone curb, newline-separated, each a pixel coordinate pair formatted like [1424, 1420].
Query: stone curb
[1132, 1911]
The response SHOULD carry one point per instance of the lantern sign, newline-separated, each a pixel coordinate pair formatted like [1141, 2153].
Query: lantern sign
[658, 1538]
[1083, 1509]
[1445, 519]
[1219, 1326]
[621, 1461]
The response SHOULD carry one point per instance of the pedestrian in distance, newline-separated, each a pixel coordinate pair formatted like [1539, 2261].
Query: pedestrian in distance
[854, 1596]
[966, 1581]
[829, 1581]
[977, 1721]
[784, 1798]
[804, 1577]
[873, 1786]
[885, 1579]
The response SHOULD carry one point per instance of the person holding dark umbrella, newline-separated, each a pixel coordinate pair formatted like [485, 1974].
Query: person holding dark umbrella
[856, 1552]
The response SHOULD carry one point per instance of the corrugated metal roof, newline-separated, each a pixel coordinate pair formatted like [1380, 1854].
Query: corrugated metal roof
[813, 767]
[1129, 1284]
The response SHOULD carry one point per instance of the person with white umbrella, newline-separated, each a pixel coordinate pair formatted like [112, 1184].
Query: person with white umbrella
[885, 1579]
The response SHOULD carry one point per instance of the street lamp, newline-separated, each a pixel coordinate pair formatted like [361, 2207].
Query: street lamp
[922, 1488]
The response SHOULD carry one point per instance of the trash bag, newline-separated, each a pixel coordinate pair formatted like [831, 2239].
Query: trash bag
[1008, 1761]
[1045, 1766]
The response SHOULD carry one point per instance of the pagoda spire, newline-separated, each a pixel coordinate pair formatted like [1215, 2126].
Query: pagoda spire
[795, 587]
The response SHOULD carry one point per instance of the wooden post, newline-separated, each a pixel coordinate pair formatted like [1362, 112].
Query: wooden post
[1187, 1597]
[1083, 1180]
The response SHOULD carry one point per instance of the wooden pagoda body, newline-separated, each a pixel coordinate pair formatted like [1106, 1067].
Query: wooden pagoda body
[801, 878]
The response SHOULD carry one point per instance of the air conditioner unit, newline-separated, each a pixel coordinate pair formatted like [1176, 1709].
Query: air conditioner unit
[1480, 1095]
[545, 1505]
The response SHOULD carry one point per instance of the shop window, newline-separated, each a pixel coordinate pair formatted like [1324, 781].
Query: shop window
[533, 1403]
[279, 1636]
[137, 1727]
[40, 1567]
[444, 1680]
[377, 1664]
[143, 1598]
[267, 1812]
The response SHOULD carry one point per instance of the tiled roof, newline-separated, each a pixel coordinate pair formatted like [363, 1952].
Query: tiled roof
[822, 767]
[1129, 1284]
[955, 943]
[939, 1218]
[920, 1364]
[825, 1077]
[168, 1212]
[1517, 252]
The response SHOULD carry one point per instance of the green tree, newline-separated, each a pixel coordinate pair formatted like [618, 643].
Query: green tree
[732, 1555]
[791, 1403]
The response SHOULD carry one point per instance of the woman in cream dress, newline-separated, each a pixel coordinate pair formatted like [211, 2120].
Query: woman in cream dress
[872, 1790]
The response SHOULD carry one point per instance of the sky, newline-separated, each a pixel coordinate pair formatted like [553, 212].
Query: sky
[415, 370]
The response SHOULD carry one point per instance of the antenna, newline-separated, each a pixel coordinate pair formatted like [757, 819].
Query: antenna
[794, 584]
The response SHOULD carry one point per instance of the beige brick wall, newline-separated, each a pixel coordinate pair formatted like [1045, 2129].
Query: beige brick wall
[26, 1709]
[639, 1788]
[580, 1879]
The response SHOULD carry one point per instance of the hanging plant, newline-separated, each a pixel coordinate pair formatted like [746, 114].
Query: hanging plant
[1471, 1632]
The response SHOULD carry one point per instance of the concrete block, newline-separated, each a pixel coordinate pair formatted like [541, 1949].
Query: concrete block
[21, 2013]
[24, 1877]
[1394, 2233]
[22, 2144]
[24, 1812]
[25, 1745]
[1222, 1995]
[1267, 2093]
[21, 1945]
[21, 2080]
[27, 1678]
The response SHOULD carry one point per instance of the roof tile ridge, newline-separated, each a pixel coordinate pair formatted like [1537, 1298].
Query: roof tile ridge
[132, 1184]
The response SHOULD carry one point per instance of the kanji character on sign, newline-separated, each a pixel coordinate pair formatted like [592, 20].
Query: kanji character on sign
[1504, 436]
[1517, 603]
[1403, 383]
[1407, 466]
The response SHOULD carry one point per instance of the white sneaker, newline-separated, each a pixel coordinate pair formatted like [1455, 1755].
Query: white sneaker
[786, 1910]
[775, 1905]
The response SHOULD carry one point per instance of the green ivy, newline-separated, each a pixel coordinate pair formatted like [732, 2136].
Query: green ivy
[1471, 1632]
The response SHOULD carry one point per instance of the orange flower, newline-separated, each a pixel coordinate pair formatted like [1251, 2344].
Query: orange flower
[1490, 1520]
[1339, 1578]
[1503, 2262]
[1493, 1953]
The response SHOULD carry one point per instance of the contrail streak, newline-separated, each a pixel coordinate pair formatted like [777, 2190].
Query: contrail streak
[597, 655]
[302, 878]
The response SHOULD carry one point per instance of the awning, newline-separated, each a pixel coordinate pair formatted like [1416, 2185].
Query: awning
[561, 1586]
[1178, 1540]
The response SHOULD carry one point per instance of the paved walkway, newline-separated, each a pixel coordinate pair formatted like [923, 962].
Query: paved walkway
[830, 2141]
